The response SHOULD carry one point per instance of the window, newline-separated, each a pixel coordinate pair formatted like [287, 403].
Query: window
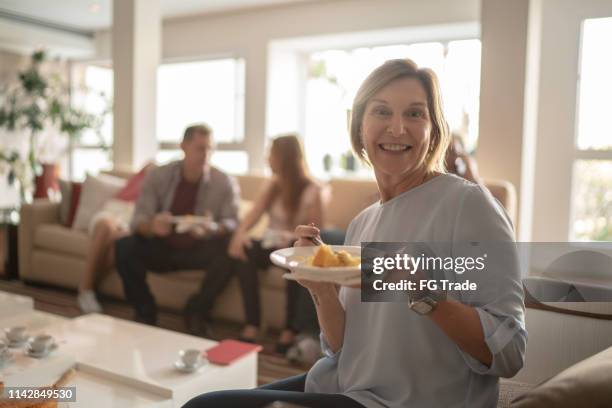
[335, 75]
[92, 90]
[230, 161]
[592, 196]
[203, 91]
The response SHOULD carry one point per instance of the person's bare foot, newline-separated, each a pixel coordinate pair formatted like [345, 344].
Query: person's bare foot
[249, 333]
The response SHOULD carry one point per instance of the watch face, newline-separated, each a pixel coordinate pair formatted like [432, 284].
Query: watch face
[421, 307]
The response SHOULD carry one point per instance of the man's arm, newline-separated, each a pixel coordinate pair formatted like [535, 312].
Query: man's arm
[159, 226]
[146, 206]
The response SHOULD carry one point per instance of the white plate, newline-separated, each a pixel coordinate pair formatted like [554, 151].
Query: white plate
[191, 219]
[351, 281]
[296, 258]
[187, 223]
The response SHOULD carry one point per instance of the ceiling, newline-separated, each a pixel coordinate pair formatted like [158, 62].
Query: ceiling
[92, 15]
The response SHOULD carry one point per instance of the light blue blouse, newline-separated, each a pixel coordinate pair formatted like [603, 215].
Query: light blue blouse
[393, 357]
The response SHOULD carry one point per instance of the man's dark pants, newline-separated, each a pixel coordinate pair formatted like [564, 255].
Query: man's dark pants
[135, 255]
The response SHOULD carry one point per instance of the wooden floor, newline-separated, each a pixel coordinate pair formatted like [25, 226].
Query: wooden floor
[63, 302]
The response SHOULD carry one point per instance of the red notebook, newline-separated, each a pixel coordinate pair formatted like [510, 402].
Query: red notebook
[228, 351]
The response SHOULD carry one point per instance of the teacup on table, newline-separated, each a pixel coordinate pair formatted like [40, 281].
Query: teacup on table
[42, 344]
[191, 357]
[17, 334]
[5, 354]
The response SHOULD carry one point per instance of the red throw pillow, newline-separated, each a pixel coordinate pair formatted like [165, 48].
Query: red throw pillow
[75, 196]
[131, 191]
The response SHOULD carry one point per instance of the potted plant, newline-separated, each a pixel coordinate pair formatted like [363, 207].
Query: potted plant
[36, 110]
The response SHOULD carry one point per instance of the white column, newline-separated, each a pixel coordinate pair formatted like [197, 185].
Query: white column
[255, 106]
[502, 94]
[136, 49]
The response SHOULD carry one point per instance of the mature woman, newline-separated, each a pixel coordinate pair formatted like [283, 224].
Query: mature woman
[291, 198]
[433, 351]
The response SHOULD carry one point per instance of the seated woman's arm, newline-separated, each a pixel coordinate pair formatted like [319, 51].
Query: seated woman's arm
[330, 312]
[462, 324]
[240, 237]
[260, 206]
[487, 324]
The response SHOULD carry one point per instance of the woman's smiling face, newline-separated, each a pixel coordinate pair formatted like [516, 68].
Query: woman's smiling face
[396, 128]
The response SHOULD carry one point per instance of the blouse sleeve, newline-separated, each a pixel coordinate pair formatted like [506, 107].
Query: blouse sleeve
[483, 227]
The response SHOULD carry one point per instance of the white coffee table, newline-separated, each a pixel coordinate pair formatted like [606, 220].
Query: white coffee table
[99, 392]
[121, 363]
[11, 304]
[143, 357]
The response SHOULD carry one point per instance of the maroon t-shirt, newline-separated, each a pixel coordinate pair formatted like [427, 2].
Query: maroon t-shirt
[184, 203]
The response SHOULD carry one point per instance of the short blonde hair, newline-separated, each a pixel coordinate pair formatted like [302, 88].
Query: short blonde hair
[382, 76]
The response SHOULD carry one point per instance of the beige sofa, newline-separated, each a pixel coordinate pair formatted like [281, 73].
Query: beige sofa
[51, 253]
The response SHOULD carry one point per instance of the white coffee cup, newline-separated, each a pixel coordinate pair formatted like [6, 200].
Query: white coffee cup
[191, 357]
[16, 334]
[41, 343]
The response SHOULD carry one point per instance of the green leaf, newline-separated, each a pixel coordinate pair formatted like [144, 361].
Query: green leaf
[38, 56]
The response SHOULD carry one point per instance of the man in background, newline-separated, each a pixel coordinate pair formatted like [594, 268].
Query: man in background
[167, 237]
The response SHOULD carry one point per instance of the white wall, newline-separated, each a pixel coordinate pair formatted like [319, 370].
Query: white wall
[248, 34]
[24, 38]
[502, 89]
[10, 64]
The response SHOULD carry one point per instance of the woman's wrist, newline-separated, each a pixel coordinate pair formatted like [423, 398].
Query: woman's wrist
[324, 291]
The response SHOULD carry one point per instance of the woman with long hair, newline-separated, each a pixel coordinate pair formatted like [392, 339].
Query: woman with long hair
[291, 198]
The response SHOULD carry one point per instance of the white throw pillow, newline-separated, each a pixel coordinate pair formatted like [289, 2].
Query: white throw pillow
[119, 211]
[96, 191]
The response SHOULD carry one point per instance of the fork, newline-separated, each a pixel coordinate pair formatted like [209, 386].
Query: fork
[315, 240]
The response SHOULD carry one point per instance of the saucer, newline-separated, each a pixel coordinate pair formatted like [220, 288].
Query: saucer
[39, 354]
[179, 365]
[7, 360]
[17, 344]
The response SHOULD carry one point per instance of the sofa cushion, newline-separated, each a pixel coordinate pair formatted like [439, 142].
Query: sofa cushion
[349, 198]
[75, 199]
[96, 191]
[56, 237]
[131, 190]
[71, 194]
[509, 390]
[64, 209]
[585, 384]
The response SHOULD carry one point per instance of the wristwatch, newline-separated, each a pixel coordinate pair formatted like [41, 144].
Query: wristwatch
[424, 305]
[427, 302]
